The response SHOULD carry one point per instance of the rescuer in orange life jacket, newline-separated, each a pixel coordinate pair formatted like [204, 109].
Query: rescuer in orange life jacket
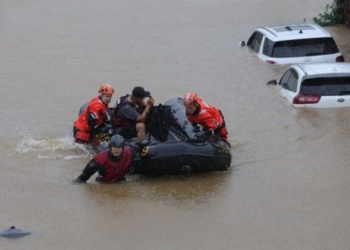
[94, 118]
[111, 164]
[207, 116]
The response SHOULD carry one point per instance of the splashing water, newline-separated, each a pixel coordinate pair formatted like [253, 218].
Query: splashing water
[57, 148]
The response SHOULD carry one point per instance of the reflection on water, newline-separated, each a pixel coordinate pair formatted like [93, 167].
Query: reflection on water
[176, 190]
[186, 191]
[324, 125]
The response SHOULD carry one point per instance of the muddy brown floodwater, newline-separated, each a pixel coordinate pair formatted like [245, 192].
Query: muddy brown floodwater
[288, 187]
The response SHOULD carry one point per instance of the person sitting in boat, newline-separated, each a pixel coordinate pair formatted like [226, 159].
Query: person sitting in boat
[130, 112]
[95, 117]
[207, 116]
[178, 110]
[111, 164]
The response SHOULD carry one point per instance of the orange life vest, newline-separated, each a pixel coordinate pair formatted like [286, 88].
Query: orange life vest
[96, 107]
[210, 118]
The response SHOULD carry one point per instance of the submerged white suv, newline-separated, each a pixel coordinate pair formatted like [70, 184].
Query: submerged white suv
[297, 43]
[316, 85]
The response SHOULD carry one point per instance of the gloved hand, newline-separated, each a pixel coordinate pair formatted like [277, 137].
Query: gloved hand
[78, 181]
[209, 132]
[107, 130]
[200, 134]
[196, 128]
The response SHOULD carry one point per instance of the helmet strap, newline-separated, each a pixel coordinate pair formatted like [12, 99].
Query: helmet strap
[115, 158]
[198, 108]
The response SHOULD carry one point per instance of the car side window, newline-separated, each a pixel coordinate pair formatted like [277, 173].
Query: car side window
[293, 81]
[285, 78]
[255, 41]
[289, 80]
[268, 47]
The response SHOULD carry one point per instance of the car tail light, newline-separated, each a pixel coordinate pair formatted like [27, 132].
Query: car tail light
[340, 59]
[306, 99]
[270, 62]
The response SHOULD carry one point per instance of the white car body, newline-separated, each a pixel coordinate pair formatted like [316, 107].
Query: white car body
[320, 85]
[295, 43]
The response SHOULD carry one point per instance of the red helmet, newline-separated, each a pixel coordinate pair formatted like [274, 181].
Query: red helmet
[190, 99]
[106, 88]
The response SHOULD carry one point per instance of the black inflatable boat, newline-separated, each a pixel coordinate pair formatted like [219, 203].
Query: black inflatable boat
[170, 150]
[176, 157]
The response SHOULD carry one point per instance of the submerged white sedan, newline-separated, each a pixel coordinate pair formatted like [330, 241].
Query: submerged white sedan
[316, 85]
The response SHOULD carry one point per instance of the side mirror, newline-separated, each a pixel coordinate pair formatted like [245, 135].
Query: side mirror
[272, 82]
[242, 43]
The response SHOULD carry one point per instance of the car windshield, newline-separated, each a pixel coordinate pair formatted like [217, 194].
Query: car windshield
[326, 86]
[299, 48]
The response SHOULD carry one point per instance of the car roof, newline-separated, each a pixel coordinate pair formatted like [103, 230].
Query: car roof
[294, 31]
[324, 68]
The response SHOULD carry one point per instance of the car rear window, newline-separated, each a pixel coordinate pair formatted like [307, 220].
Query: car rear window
[299, 48]
[326, 86]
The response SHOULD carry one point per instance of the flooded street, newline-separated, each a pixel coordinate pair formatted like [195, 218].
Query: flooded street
[288, 187]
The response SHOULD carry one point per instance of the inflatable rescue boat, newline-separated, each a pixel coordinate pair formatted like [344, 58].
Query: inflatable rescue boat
[171, 148]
